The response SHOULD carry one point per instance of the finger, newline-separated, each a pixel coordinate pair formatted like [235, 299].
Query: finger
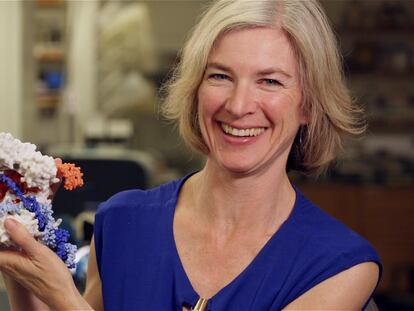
[9, 260]
[55, 187]
[58, 164]
[58, 161]
[21, 236]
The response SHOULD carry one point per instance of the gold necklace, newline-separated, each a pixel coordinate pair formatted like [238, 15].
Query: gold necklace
[201, 305]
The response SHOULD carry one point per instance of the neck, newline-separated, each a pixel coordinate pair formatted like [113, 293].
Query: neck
[229, 202]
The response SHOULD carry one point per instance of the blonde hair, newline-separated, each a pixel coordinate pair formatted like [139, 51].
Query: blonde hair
[325, 97]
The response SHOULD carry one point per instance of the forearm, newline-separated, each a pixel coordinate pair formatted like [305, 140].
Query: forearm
[20, 298]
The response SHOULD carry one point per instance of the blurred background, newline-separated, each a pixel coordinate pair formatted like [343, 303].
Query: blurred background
[80, 79]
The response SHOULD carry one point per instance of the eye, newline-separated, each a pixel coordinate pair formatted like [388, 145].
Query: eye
[218, 76]
[270, 82]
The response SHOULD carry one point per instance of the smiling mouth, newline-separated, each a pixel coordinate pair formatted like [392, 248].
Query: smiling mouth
[247, 132]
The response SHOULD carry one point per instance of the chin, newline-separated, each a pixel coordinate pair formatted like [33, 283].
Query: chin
[239, 167]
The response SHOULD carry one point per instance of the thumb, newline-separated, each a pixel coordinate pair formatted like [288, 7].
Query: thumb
[21, 236]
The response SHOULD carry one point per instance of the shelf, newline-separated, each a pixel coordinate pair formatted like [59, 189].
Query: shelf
[50, 57]
[379, 74]
[377, 32]
[49, 54]
[47, 101]
[397, 125]
[50, 3]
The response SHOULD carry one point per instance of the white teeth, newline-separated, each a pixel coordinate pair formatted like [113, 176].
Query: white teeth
[242, 132]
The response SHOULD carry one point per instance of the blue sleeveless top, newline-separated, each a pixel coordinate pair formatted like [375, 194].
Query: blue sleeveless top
[140, 268]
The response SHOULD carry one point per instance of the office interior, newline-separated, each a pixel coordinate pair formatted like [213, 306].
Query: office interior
[82, 79]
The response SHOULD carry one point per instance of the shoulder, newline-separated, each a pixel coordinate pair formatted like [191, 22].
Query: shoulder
[324, 233]
[347, 290]
[137, 199]
[330, 258]
[131, 215]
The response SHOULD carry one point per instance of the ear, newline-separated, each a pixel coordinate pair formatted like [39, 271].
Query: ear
[304, 115]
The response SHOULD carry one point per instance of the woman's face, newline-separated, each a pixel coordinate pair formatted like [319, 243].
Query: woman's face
[249, 100]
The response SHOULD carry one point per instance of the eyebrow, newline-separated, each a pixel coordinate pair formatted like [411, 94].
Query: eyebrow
[263, 72]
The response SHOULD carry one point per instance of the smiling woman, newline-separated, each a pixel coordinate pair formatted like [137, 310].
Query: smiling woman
[259, 91]
[325, 97]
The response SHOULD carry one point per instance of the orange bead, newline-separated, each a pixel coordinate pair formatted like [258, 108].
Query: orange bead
[72, 175]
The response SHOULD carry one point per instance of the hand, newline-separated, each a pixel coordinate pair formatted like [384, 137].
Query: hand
[39, 270]
[55, 187]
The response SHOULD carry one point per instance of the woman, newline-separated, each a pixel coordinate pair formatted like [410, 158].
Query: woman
[259, 91]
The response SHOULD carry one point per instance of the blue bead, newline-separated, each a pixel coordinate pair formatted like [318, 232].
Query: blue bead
[54, 238]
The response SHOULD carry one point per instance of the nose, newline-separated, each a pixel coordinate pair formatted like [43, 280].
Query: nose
[241, 101]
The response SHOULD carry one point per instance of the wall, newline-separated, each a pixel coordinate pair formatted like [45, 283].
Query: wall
[172, 21]
[11, 67]
[81, 71]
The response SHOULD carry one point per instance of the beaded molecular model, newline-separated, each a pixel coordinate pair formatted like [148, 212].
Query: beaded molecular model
[27, 183]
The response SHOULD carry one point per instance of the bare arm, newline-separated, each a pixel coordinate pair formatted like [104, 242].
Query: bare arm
[20, 298]
[93, 291]
[348, 290]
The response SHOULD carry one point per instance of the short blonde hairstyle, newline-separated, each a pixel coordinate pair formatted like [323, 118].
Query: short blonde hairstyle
[325, 98]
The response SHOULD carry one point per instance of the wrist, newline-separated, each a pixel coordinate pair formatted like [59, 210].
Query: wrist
[70, 299]
[21, 298]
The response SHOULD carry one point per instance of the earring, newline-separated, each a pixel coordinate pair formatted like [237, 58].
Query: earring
[300, 135]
